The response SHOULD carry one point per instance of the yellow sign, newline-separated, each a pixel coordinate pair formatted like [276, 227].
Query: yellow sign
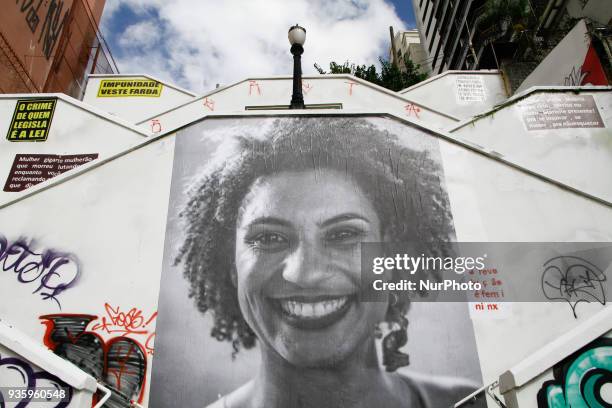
[31, 120]
[129, 87]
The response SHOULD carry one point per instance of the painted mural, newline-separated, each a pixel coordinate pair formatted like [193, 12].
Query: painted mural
[580, 379]
[114, 348]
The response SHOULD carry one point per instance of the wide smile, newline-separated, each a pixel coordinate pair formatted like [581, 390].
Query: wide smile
[313, 312]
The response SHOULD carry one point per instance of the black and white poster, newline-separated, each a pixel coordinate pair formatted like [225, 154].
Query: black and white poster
[259, 302]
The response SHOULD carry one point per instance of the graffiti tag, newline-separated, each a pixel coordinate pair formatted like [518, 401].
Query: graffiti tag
[52, 271]
[119, 361]
[574, 280]
[209, 103]
[254, 85]
[350, 88]
[412, 109]
[306, 87]
[156, 126]
[575, 77]
[132, 322]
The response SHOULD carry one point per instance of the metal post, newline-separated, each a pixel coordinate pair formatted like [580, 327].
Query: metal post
[393, 49]
[297, 99]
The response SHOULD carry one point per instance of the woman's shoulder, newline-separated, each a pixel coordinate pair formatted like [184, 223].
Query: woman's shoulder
[236, 398]
[220, 403]
[438, 391]
[431, 391]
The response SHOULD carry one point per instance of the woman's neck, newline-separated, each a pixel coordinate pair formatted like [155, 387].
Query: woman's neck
[356, 382]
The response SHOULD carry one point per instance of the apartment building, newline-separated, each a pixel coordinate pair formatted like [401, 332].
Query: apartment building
[407, 43]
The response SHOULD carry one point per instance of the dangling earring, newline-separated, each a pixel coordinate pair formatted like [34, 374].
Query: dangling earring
[392, 343]
[378, 334]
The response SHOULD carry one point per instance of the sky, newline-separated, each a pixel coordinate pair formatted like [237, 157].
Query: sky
[197, 44]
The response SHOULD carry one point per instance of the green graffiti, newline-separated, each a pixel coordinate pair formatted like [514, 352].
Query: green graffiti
[579, 379]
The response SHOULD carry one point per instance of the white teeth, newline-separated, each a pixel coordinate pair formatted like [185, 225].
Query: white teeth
[313, 309]
[319, 309]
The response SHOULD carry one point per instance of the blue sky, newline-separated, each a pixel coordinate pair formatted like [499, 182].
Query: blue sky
[199, 43]
[405, 12]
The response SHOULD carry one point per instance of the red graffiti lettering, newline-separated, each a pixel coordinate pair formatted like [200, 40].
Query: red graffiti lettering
[209, 103]
[149, 344]
[306, 87]
[156, 126]
[350, 89]
[117, 322]
[412, 109]
[254, 85]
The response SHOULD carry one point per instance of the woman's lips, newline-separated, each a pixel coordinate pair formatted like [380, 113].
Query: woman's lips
[313, 313]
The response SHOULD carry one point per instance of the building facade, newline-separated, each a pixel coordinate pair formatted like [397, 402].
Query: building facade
[447, 29]
[488, 34]
[408, 45]
[49, 46]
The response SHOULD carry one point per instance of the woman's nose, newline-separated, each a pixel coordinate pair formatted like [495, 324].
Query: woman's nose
[306, 266]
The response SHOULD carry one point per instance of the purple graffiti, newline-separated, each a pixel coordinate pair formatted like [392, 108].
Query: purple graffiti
[24, 377]
[52, 271]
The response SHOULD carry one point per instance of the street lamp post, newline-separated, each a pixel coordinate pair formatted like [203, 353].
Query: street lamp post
[297, 37]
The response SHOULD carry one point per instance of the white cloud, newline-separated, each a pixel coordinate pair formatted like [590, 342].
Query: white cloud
[141, 36]
[204, 42]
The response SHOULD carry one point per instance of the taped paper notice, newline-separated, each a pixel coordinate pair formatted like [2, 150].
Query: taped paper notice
[31, 169]
[129, 87]
[470, 88]
[559, 111]
[31, 120]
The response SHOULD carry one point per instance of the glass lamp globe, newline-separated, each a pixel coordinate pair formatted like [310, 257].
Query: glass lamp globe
[297, 35]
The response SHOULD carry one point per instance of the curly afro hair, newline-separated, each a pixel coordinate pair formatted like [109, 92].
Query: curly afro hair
[403, 184]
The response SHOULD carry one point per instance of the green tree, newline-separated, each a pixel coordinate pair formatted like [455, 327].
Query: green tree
[390, 76]
[515, 13]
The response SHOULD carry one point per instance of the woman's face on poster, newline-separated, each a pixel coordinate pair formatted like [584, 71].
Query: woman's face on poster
[298, 265]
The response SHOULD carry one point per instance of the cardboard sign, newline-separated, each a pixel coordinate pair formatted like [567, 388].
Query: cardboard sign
[561, 112]
[31, 169]
[31, 120]
[129, 87]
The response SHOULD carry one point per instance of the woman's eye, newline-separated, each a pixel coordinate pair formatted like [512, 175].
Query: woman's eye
[344, 235]
[268, 241]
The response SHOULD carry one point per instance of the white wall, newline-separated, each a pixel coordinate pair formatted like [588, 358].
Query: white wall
[75, 130]
[135, 108]
[494, 203]
[109, 224]
[353, 93]
[460, 93]
[577, 157]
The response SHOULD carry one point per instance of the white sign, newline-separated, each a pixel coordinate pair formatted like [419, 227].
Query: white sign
[470, 88]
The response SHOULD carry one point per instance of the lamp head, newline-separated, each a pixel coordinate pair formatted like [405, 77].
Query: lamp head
[297, 35]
